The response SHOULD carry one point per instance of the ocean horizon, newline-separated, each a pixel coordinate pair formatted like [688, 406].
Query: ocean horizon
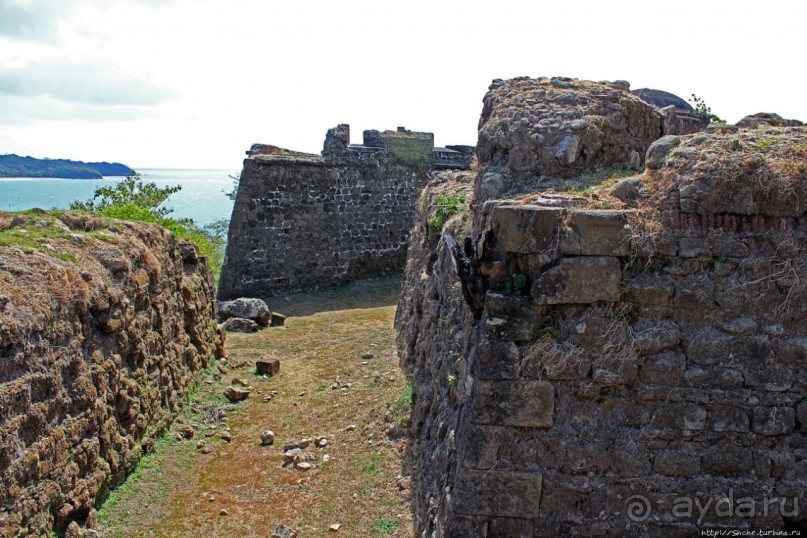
[202, 197]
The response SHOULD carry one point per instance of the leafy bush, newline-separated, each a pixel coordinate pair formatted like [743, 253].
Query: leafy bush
[133, 200]
[446, 207]
[130, 191]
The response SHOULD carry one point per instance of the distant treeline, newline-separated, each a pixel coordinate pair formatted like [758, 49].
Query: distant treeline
[16, 166]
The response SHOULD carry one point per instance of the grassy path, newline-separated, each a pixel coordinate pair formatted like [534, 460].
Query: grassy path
[326, 388]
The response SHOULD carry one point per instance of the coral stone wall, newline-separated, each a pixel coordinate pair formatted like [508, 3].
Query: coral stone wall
[631, 370]
[102, 325]
[305, 224]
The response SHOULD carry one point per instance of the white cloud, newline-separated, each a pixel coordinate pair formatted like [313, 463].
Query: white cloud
[38, 20]
[206, 78]
[100, 83]
[31, 20]
[25, 110]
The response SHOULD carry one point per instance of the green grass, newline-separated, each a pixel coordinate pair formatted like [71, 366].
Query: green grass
[31, 236]
[765, 144]
[375, 466]
[385, 525]
[148, 483]
[401, 408]
[604, 174]
[210, 247]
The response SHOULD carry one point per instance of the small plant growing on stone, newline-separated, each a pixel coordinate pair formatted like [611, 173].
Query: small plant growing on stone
[704, 111]
[234, 192]
[516, 285]
[446, 207]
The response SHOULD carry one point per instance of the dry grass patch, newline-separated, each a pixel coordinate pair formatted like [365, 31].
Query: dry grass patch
[326, 388]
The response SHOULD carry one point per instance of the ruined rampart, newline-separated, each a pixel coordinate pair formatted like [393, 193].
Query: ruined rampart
[102, 325]
[590, 366]
[305, 222]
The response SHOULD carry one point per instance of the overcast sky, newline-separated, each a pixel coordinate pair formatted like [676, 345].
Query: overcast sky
[193, 83]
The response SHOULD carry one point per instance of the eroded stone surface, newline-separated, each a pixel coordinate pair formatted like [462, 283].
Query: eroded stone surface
[100, 334]
[675, 364]
[559, 127]
[514, 403]
[580, 280]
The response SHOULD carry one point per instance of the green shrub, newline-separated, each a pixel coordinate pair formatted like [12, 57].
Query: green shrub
[129, 191]
[133, 200]
[515, 286]
[446, 207]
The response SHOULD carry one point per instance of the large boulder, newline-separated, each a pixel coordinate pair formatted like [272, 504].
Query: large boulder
[534, 129]
[678, 116]
[658, 151]
[240, 325]
[767, 119]
[254, 309]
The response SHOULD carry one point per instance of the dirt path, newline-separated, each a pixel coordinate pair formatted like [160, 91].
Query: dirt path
[326, 388]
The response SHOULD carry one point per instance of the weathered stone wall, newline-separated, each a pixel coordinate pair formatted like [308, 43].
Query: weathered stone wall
[311, 223]
[102, 325]
[678, 116]
[411, 147]
[304, 222]
[535, 129]
[605, 372]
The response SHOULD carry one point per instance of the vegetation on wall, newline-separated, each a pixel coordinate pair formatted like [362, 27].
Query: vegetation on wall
[446, 207]
[704, 111]
[132, 199]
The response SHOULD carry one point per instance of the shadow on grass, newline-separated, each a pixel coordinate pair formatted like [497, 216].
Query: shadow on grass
[368, 293]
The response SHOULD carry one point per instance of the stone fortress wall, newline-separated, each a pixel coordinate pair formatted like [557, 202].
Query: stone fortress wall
[305, 222]
[586, 365]
[101, 332]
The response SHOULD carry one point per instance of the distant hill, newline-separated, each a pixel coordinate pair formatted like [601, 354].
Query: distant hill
[16, 166]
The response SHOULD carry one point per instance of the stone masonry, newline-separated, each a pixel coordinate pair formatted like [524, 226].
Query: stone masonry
[101, 333]
[305, 222]
[633, 370]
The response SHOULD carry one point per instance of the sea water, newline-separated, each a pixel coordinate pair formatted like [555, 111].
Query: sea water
[202, 198]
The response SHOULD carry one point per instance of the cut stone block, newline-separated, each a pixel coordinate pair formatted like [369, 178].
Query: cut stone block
[497, 360]
[596, 233]
[524, 229]
[664, 368]
[581, 280]
[677, 463]
[267, 367]
[728, 459]
[773, 420]
[497, 493]
[512, 318]
[650, 288]
[514, 403]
